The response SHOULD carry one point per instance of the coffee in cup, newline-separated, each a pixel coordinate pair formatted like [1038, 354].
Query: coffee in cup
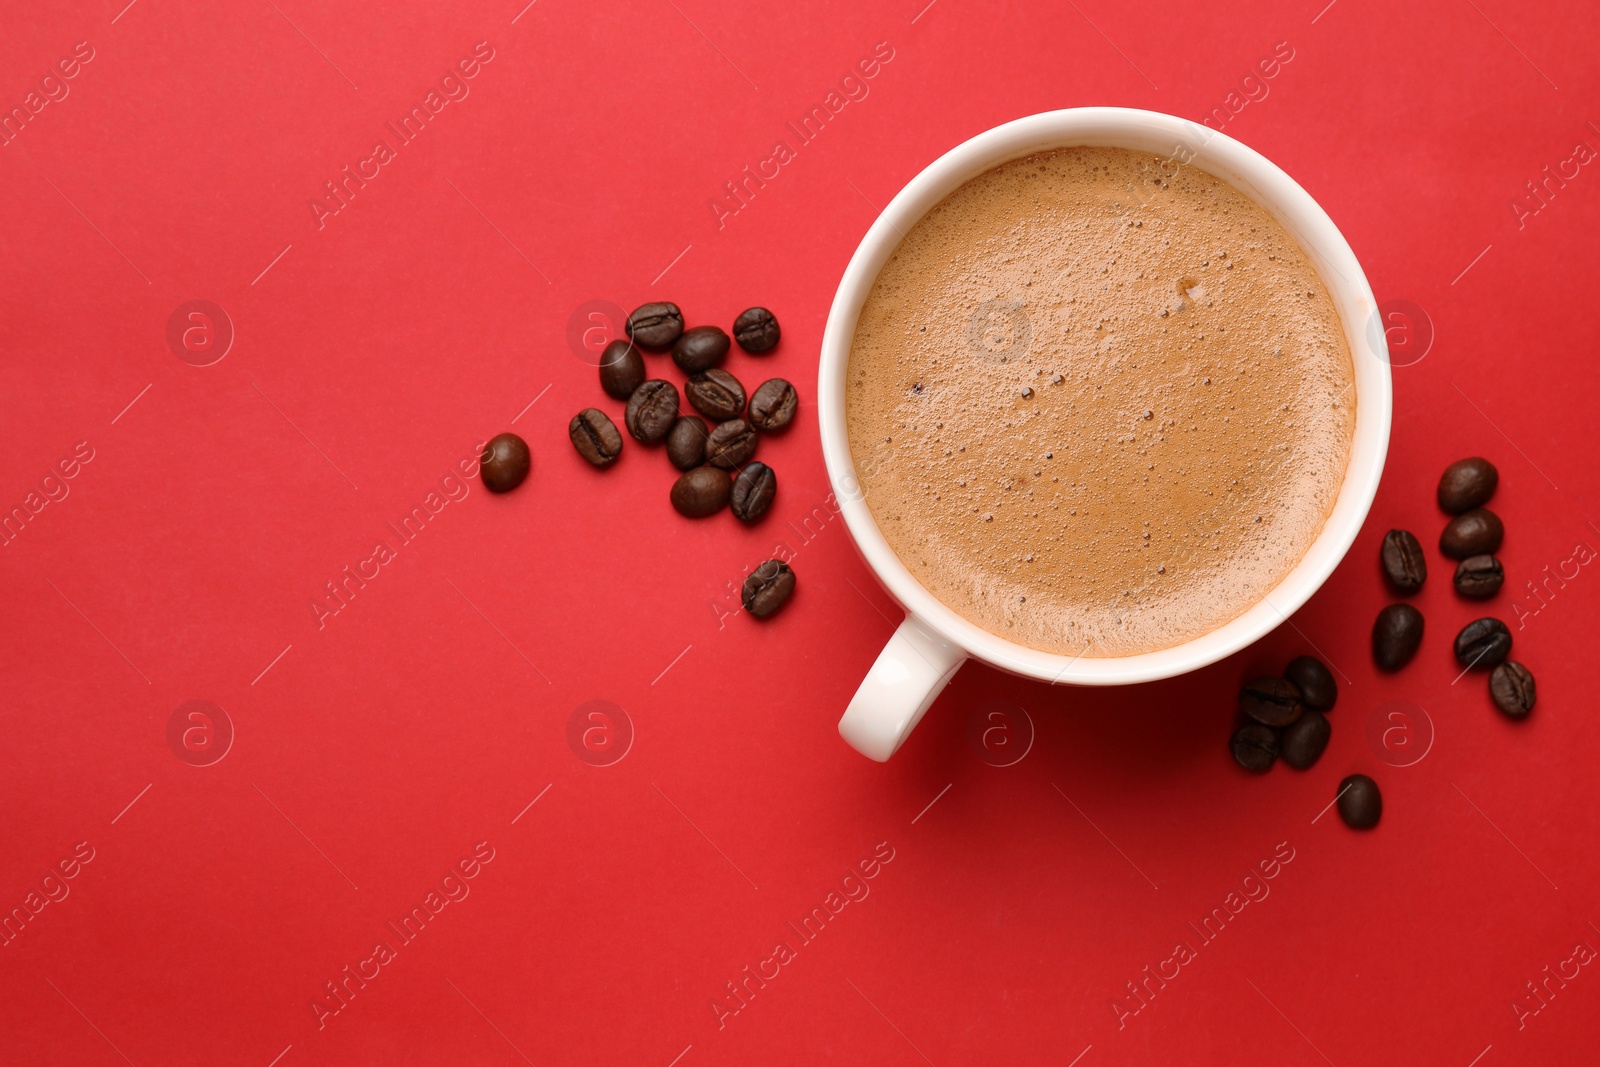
[1100, 402]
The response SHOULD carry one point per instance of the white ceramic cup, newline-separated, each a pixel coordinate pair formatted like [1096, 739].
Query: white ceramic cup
[934, 640]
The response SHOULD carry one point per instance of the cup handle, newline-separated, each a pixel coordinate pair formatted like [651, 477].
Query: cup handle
[913, 668]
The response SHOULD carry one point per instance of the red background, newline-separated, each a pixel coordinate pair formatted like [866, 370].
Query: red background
[373, 753]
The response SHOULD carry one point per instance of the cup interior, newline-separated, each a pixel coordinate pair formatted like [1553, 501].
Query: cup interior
[1185, 143]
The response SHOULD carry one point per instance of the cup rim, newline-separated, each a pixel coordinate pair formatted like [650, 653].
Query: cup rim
[1244, 169]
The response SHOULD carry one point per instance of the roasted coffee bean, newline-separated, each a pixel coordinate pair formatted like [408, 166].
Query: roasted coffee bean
[621, 369]
[1272, 701]
[1482, 643]
[595, 437]
[1396, 636]
[504, 463]
[1467, 484]
[772, 405]
[716, 394]
[767, 588]
[686, 442]
[756, 330]
[1511, 686]
[1472, 533]
[1318, 689]
[700, 349]
[700, 492]
[730, 444]
[1254, 746]
[1360, 803]
[652, 411]
[1403, 562]
[1479, 577]
[1304, 739]
[753, 491]
[655, 325]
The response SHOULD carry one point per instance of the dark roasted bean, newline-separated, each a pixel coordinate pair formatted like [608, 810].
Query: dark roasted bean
[655, 325]
[1304, 739]
[652, 410]
[1254, 746]
[1318, 689]
[772, 405]
[731, 443]
[595, 437]
[686, 442]
[1472, 533]
[753, 491]
[756, 330]
[1483, 643]
[1467, 484]
[1403, 562]
[767, 588]
[1360, 803]
[700, 349]
[700, 492]
[504, 463]
[1511, 686]
[1479, 577]
[1396, 636]
[1272, 701]
[621, 369]
[716, 394]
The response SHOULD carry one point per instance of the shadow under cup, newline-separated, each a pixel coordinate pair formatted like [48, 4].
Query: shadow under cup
[934, 640]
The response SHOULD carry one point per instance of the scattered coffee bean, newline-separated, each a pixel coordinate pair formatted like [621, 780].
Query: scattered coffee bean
[772, 405]
[652, 411]
[1318, 689]
[655, 325]
[716, 394]
[1511, 686]
[1254, 746]
[1403, 562]
[1271, 701]
[1360, 803]
[621, 369]
[595, 437]
[686, 442]
[700, 349]
[767, 588]
[1467, 484]
[730, 444]
[1396, 636]
[753, 491]
[1304, 739]
[1482, 643]
[1479, 577]
[504, 463]
[756, 330]
[700, 492]
[1472, 533]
